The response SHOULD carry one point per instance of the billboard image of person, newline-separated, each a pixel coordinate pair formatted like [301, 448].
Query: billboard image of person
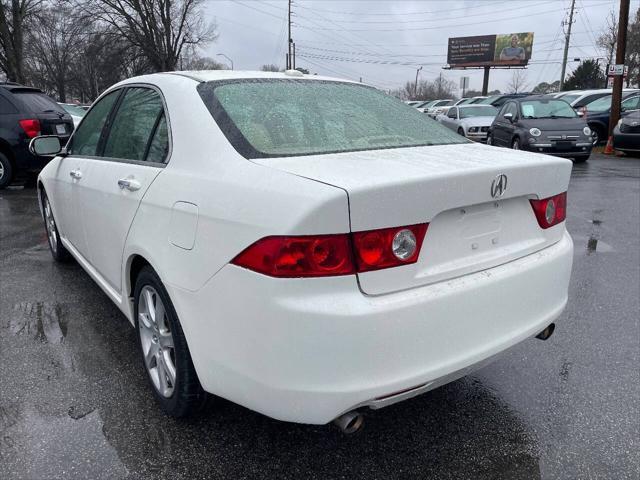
[513, 48]
[490, 50]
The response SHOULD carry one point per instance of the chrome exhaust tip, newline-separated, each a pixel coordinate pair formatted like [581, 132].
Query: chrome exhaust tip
[547, 332]
[350, 422]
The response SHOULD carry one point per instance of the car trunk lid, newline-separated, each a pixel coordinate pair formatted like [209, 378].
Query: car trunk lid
[449, 187]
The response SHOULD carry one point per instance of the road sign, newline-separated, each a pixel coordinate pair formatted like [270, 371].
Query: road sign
[617, 70]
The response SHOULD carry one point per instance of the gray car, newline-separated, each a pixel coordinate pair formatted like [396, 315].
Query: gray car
[471, 121]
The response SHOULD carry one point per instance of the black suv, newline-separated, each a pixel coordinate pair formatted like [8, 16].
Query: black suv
[25, 113]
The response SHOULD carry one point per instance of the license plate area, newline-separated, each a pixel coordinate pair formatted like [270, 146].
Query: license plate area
[564, 145]
[61, 129]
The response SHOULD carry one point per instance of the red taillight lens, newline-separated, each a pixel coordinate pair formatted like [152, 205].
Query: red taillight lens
[312, 256]
[550, 211]
[30, 126]
[329, 255]
[375, 249]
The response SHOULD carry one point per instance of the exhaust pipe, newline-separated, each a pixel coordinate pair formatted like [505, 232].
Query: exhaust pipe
[547, 332]
[350, 422]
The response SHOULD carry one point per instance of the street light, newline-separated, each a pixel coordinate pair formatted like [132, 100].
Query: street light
[223, 55]
[415, 88]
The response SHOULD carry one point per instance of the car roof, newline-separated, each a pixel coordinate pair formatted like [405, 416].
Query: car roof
[11, 86]
[213, 75]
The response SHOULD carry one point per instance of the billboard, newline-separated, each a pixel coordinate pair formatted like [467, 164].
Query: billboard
[490, 50]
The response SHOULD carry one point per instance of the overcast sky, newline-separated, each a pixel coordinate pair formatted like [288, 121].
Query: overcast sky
[385, 41]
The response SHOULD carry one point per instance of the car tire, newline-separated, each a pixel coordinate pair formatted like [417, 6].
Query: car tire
[596, 135]
[163, 348]
[6, 171]
[461, 132]
[581, 159]
[489, 140]
[515, 145]
[58, 251]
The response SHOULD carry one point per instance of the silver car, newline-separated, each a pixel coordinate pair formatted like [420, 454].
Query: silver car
[471, 121]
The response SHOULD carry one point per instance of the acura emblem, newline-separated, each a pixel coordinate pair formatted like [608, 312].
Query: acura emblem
[499, 185]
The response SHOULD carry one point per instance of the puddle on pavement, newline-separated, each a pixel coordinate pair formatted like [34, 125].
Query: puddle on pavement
[44, 321]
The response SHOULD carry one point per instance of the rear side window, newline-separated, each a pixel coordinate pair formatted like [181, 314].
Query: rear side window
[132, 130]
[5, 107]
[37, 102]
[272, 118]
[87, 137]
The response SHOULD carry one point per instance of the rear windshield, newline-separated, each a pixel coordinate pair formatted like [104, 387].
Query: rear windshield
[274, 118]
[74, 110]
[570, 97]
[479, 111]
[547, 109]
[602, 104]
[37, 101]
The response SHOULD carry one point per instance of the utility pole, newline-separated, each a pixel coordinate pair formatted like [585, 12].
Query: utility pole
[415, 88]
[616, 95]
[289, 40]
[485, 81]
[567, 39]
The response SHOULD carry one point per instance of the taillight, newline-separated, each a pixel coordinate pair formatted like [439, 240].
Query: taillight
[330, 255]
[550, 211]
[30, 126]
[303, 256]
[388, 247]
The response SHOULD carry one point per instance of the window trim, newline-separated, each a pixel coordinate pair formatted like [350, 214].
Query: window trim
[237, 141]
[106, 128]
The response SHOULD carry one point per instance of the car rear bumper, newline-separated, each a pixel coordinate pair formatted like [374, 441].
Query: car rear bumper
[308, 350]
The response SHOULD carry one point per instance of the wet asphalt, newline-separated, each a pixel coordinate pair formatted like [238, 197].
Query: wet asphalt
[74, 399]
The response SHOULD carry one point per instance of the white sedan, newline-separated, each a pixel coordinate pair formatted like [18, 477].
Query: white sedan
[304, 246]
[471, 121]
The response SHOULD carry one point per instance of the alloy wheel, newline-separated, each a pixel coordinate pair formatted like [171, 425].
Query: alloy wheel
[595, 137]
[157, 341]
[1, 170]
[50, 225]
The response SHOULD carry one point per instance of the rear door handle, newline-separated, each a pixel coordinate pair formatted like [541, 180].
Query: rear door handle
[129, 183]
[77, 174]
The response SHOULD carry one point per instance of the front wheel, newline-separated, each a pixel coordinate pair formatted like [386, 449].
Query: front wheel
[596, 136]
[489, 139]
[461, 131]
[165, 354]
[516, 144]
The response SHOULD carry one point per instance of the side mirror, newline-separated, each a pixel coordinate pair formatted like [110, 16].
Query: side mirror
[509, 116]
[45, 146]
[580, 113]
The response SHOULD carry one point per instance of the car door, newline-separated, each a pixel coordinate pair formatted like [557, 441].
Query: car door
[82, 148]
[133, 151]
[502, 127]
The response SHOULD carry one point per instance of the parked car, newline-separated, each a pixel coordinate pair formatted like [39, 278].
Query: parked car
[76, 112]
[475, 100]
[471, 121]
[579, 99]
[227, 215]
[541, 124]
[436, 107]
[461, 101]
[422, 108]
[499, 100]
[25, 113]
[626, 135]
[599, 111]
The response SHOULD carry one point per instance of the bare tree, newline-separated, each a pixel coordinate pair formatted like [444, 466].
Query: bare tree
[54, 42]
[518, 81]
[609, 36]
[270, 68]
[160, 29]
[192, 60]
[14, 17]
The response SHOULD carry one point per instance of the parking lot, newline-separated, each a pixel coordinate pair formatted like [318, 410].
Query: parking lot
[74, 400]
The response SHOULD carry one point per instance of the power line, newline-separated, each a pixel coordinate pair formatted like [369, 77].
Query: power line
[440, 27]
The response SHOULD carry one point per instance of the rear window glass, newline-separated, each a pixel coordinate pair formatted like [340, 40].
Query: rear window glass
[602, 104]
[272, 118]
[570, 97]
[38, 101]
